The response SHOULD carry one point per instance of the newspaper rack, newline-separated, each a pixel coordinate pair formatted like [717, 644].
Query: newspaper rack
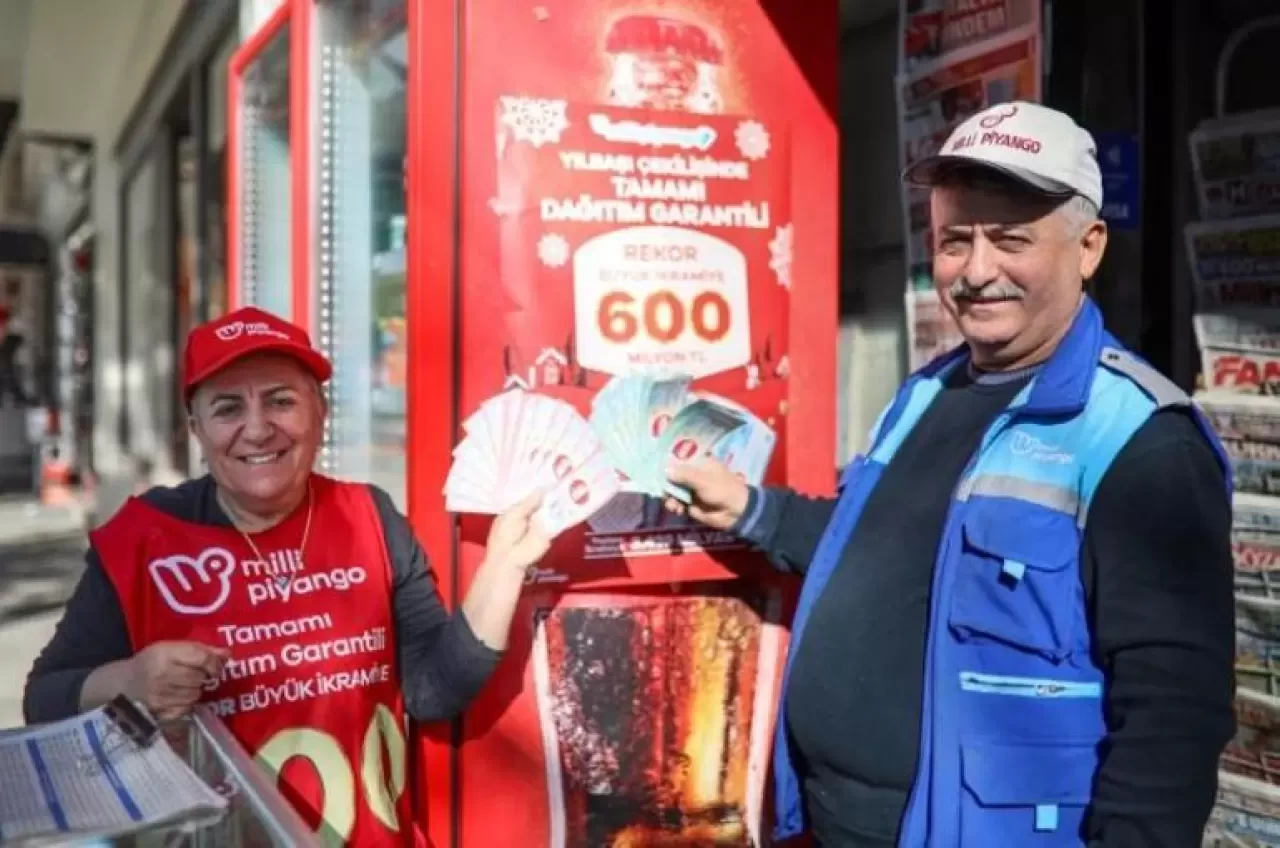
[1237, 277]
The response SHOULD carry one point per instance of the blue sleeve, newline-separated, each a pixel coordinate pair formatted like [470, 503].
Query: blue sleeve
[785, 525]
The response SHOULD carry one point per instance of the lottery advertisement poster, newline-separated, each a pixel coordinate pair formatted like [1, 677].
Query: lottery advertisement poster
[648, 197]
[628, 192]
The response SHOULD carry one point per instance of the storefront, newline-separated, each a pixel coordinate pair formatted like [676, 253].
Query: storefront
[25, 318]
[329, 250]
[461, 199]
[173, 161]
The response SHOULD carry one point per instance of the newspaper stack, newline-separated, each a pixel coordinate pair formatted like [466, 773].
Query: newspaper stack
[79, 780]
[1234, 252]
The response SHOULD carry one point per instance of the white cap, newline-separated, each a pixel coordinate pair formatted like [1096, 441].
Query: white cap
[1034, 144]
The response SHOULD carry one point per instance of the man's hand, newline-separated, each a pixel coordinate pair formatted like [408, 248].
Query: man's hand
[515, 539]
[169, 677]
[719, 495]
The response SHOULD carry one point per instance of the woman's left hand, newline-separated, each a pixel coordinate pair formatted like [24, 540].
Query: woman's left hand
[515, 538]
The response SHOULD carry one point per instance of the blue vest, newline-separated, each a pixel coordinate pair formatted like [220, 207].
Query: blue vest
[1012, 715]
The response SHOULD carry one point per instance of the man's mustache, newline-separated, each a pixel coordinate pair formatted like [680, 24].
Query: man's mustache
[999, 290]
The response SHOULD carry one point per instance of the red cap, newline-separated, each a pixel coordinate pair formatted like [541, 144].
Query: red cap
[216, 344]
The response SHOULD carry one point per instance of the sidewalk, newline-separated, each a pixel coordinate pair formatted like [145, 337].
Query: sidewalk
[41, 557]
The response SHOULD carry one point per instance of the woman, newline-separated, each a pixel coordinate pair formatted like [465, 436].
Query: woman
[301, 607]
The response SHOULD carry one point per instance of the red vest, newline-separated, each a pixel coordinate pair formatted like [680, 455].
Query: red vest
[312, 688]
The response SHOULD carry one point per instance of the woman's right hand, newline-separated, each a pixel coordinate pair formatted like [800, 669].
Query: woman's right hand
[169, 677]
[720, 496]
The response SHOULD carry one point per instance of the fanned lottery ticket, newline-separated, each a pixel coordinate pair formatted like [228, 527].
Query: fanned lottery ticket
[693, 433]
[644, 422]
[748, 449]
[518, 443]
[577, 496]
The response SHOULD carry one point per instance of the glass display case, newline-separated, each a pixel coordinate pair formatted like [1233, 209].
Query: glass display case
[361, 63]
[261, 75]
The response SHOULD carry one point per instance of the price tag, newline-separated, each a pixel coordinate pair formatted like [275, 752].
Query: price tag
[661, 298]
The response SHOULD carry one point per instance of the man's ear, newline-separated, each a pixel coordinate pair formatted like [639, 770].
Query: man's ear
[1093, 244]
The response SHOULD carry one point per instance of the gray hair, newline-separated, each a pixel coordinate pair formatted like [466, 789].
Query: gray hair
[1079, 213]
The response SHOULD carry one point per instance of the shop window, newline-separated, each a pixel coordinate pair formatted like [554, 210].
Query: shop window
[265, 200]
[151, 379]
[215, 184]
[360, 225]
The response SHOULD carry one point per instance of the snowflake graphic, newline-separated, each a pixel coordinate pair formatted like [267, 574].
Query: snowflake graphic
[553, 250]
[534, 119]
[781, 249]
[752, 139]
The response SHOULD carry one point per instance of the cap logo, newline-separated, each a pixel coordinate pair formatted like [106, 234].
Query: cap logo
[236, 329]
[994, 138]
[230, 332]
[995, 120]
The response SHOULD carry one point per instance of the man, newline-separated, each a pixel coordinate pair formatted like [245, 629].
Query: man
[1016, 624]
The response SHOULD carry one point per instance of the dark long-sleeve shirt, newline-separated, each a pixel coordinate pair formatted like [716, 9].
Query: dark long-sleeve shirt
[1157, 570]
[442, 663]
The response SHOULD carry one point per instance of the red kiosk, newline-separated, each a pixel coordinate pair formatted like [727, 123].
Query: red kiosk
[461, 198]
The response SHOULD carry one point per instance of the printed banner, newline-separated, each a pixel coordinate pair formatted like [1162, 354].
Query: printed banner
[643, 185]
[1235, 264]
[1236, 161]
[655, 719]
[640, 223]
[629, 239]
[636, 719]
[936, 97]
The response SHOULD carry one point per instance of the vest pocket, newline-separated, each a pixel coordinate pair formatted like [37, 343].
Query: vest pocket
[1016, 583]
[1024, 794]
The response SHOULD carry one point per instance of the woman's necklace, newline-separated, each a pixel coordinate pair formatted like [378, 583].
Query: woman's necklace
[282, 580]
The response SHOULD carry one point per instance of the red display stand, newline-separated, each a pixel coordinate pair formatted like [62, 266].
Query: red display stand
[592, 188]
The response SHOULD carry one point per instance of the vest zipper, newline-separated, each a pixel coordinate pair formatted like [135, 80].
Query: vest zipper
[1027, 687]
